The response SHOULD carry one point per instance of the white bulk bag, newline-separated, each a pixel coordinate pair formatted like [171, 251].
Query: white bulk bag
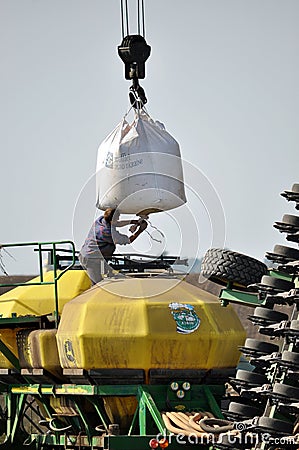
[139, 168]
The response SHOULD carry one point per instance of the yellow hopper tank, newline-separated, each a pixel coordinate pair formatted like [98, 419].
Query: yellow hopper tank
[148, 323]
[37, 301]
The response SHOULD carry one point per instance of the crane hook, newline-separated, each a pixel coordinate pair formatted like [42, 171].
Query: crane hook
[134, 51]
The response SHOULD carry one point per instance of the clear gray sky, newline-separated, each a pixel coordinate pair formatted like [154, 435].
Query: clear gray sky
[223, 77]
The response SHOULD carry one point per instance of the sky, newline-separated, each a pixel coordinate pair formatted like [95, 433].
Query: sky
[222, 77]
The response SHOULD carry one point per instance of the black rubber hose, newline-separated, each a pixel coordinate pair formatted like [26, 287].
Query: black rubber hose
[222, 425]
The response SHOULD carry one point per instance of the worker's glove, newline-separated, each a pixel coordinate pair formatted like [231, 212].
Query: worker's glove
[133, 228]
[143, 225]
[134, 225]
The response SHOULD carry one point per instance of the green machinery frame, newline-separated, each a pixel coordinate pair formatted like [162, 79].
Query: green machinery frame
[229, 294]
[75, 430]
[146, 424]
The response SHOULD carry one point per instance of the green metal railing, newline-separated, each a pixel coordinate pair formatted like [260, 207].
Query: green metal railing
[57, 274]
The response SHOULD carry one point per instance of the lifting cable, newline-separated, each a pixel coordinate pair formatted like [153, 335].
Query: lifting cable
[125, 18]
[134, 51]
[140, 20]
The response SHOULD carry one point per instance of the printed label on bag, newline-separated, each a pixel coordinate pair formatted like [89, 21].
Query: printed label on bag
[121, 162]
[125, 162]
[109, 160]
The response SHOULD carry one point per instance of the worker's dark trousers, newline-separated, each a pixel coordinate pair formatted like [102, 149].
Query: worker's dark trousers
[95, 264]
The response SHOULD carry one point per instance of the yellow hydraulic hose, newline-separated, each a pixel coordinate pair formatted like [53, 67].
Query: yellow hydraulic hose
[185, 423]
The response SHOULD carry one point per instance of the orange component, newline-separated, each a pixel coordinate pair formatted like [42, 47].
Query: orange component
[163, 443]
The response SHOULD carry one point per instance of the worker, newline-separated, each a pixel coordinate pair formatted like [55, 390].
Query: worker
[102, 239]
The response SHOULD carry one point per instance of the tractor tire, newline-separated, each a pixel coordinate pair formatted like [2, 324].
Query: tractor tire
[295, 188]
[275, 426]
[246, 411]
[288, 252]
[290, 392]
[290, 357]
[269, 315]
[290, 219]
[265, 348]
[277, 283]
[257, 379]
[223, 266]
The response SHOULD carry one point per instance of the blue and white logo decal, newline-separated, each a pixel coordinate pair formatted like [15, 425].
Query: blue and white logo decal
[186, 318]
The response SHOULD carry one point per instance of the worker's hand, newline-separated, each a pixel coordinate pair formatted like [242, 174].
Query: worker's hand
[134, 227]
[134, 222]
[143, 225]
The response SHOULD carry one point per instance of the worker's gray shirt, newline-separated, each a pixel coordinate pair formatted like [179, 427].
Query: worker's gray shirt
[102, 235]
